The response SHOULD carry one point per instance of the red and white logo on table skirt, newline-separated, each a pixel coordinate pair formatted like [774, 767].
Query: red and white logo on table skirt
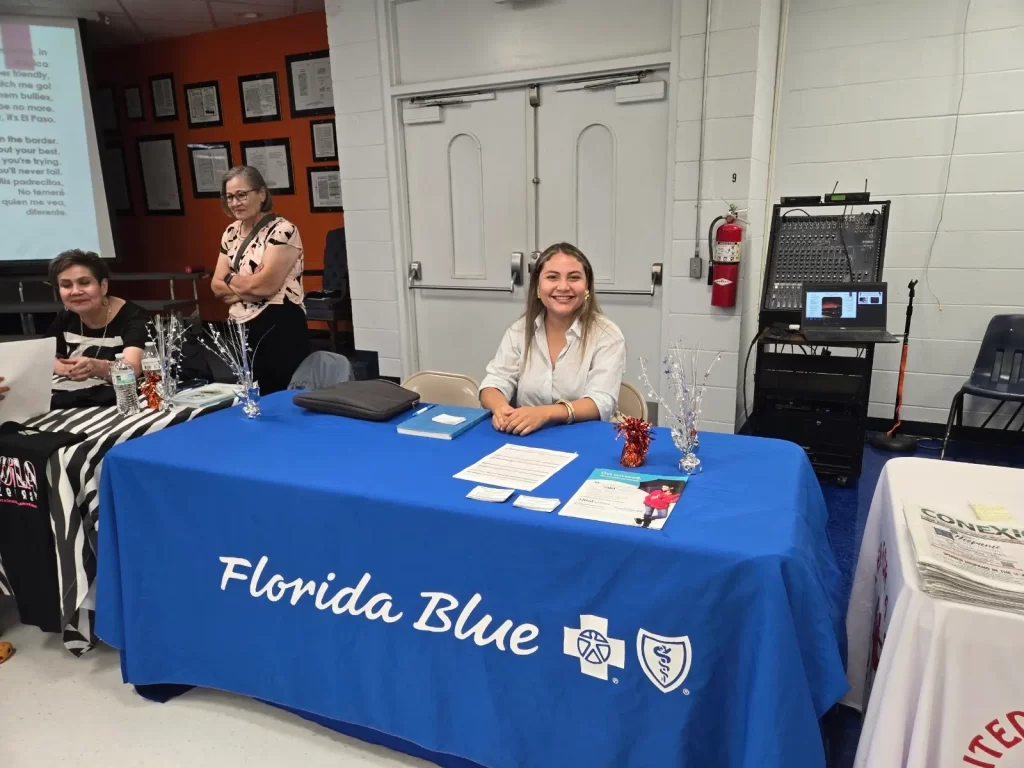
[880, 616]
[998, 736]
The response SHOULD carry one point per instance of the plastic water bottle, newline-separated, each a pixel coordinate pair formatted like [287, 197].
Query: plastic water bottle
[151, 363]
[122, 376]
[151, 374]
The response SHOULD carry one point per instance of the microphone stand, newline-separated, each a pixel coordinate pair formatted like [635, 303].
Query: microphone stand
[890, 441]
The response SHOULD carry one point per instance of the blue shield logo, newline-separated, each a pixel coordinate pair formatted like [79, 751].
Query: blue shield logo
[665, 660]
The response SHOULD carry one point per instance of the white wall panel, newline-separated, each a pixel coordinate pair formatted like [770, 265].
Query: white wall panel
[865, 23]
[871, 91]
[873, 140]
[448, 39]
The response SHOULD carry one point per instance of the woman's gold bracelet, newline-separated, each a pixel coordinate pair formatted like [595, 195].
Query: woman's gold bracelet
[570, 409]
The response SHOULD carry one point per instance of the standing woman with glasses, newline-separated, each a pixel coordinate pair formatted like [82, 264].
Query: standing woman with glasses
[259, 277]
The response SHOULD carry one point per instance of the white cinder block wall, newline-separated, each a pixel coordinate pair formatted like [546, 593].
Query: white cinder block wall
[870, 91]
[751, 268]
[741, 82]
[738, 125]
[362, 158]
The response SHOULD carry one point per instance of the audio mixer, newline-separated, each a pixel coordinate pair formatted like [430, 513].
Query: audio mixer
[814, 248]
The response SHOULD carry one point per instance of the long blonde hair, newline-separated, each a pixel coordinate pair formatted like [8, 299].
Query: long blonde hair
[587, 313]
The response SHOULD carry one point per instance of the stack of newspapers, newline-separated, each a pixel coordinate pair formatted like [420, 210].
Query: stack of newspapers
[970, 561]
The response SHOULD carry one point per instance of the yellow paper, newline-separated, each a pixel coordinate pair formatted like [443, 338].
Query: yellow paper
[990, 511]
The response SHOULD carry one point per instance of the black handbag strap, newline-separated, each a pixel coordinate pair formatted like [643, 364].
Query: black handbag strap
[237, 260]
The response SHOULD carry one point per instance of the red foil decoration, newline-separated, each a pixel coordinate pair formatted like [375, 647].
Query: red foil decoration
[150, 391]
[638, 434]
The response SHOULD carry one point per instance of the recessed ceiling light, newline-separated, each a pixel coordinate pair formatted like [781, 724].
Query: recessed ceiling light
[250, 14]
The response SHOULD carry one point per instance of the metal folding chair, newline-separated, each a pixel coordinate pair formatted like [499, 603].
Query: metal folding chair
[444, 388]
[631, 402]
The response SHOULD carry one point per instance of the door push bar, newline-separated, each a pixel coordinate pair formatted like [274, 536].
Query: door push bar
[516, 267]
[655, 281]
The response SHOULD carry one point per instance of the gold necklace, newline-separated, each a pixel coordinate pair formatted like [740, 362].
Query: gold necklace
[106, 323]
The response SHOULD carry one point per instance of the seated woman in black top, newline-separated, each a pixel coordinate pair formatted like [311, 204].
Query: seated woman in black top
[94, 326]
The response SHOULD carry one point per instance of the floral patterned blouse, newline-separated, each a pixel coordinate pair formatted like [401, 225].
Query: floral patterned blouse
[279, 232]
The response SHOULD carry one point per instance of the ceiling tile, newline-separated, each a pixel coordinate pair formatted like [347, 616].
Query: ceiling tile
[119, 32]
[75, 7]
[156, 29]
[32, 10]
[228, 14]
[180, 10]
[159, 18]
[256, 5]
[118, 22]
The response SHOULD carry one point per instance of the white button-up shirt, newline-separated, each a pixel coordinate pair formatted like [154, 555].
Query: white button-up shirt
[595, 372]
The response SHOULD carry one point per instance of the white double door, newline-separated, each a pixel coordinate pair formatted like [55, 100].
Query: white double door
[491, 176]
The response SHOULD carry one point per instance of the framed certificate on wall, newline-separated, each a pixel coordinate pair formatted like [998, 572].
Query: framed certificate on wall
[161, 185]
[133, 103]
[325, 140]
[272, 158]
[324, 189]
[115, 176]
[202, 100]
[259, 98]
[165, 106]
[208, 163]
[105, 112]
[310, 91]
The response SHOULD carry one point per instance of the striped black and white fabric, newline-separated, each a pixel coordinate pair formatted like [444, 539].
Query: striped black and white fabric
[5, 586]
[74, 476]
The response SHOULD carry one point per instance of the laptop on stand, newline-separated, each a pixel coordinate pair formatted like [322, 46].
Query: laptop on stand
[852, 313]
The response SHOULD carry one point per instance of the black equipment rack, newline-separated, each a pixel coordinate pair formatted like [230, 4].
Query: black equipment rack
[808, 395]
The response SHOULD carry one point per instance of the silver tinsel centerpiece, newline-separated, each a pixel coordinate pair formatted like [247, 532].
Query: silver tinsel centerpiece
[686, 388]
[167, 333]
[232, 347]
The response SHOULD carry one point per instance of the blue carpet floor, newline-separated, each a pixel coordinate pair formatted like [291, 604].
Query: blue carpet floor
[847, 513]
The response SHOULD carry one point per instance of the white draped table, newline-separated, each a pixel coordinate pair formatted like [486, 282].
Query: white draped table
[941, 683]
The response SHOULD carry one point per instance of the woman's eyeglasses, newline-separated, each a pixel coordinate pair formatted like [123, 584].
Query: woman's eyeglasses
[239, 196]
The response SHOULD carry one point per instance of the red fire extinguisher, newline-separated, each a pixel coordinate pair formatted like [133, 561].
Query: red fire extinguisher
[724, 246]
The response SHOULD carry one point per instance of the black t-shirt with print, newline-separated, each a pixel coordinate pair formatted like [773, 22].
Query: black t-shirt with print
[75, 339]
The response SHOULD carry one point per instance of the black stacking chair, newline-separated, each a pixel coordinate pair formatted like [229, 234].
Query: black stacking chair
[998, 372]
[332, 304]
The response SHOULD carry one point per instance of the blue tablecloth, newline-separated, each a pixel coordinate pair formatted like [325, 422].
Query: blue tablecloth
[743, 568]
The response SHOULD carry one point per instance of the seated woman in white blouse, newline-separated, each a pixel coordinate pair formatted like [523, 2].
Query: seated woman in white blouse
[569, 366]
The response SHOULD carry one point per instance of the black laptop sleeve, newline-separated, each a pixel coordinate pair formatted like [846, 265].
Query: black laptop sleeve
[377, 400]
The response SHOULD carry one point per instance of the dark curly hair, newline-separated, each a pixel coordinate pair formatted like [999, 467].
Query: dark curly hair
[78, 258]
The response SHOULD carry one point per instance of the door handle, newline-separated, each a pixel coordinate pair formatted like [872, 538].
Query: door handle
[516, 269]
[655, 281]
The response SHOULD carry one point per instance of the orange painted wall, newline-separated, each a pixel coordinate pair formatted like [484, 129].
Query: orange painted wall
[170, 243]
